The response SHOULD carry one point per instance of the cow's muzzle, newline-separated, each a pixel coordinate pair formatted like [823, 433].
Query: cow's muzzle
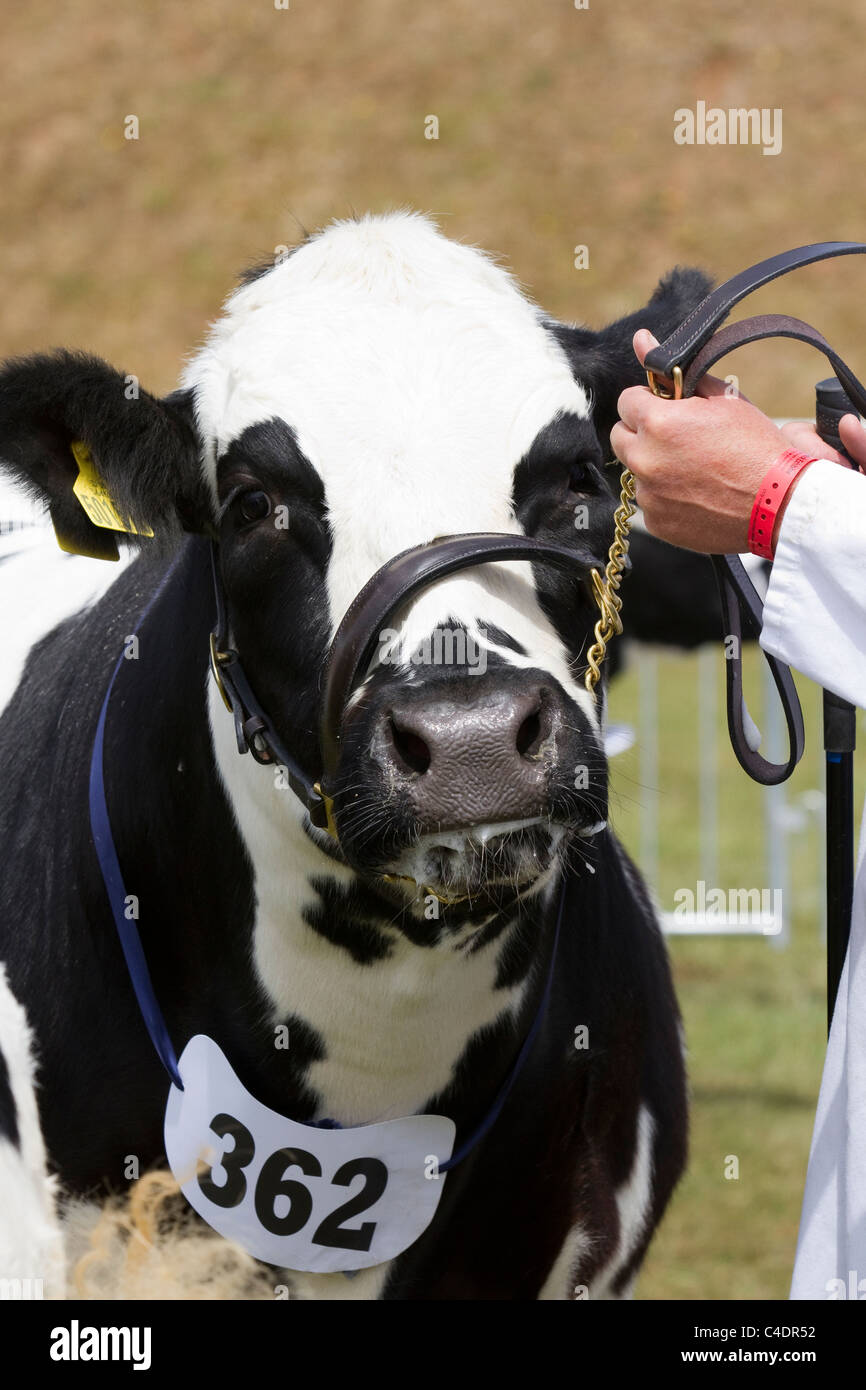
[356, 640]
[463, 762]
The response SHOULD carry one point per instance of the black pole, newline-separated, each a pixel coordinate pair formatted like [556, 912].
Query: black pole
[840, 735]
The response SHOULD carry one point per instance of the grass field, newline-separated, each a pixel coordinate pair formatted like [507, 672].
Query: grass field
[556, 129]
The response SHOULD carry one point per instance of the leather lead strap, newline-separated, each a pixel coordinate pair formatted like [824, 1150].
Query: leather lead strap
[686, 341]
[742, 608]
[752, 330]
[693, 348]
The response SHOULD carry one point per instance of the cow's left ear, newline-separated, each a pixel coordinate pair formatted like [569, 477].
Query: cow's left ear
[605, 363]
[144, 450]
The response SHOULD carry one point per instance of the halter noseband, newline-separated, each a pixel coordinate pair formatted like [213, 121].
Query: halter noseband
[354, 644]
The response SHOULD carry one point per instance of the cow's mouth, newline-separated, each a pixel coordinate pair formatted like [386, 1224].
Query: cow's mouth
[476, 863]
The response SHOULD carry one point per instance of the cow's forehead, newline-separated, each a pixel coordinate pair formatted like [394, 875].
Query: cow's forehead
[414, 374]
[389, 350]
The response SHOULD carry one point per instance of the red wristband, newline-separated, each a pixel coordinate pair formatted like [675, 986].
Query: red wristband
[770, 495]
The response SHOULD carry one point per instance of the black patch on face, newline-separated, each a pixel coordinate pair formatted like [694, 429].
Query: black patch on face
[268, 453]
[562, 469]
[499, 638]
[8, 1110]
[275, 579]
[561, 493]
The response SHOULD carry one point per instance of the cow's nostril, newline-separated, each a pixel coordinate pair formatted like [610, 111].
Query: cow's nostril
[411, 748]
[529, 734]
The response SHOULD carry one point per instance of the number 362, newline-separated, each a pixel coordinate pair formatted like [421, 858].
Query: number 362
[273, 1183]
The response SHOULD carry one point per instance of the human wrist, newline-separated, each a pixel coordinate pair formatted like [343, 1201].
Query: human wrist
[771, 501]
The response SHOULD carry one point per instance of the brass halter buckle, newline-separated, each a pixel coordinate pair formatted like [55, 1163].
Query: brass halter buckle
[216, 658]
[330, 823]
[657, 390]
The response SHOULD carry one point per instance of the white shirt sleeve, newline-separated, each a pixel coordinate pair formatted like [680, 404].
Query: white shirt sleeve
[815, 609]
[815, 620]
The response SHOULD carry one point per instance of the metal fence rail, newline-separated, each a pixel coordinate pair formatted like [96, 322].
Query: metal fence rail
[772, 919]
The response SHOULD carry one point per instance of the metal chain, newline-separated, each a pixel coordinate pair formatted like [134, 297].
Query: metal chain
[607, 589]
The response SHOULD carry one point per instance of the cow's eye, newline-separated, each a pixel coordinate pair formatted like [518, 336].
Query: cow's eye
[250, 506]
[579, 476]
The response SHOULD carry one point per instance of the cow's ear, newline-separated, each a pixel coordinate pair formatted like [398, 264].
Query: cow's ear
[144, 450]
[605, 363]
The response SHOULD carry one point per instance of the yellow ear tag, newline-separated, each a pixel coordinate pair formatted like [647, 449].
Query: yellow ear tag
[95, 497]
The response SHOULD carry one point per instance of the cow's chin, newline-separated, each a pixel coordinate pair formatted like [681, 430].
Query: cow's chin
[478, 865]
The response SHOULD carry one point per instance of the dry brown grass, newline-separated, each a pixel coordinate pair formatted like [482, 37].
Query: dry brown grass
[555, 129]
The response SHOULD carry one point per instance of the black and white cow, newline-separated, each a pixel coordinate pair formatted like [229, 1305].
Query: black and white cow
[380, 387]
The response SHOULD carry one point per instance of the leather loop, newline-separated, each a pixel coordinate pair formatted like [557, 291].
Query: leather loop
[752, 330]
[742, 606]
[680, 347]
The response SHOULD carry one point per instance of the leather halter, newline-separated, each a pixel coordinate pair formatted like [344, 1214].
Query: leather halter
[684, 357]
[355, 641]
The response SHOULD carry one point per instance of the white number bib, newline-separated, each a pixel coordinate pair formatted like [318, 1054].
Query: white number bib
[322, 1200]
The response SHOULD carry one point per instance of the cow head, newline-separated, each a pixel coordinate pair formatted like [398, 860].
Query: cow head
[378, 388]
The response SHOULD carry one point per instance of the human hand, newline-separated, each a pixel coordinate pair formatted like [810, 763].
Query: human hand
[698, 462]
[803, 437]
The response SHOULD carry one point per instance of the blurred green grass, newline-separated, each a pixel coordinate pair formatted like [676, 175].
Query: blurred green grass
[754, 1014]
